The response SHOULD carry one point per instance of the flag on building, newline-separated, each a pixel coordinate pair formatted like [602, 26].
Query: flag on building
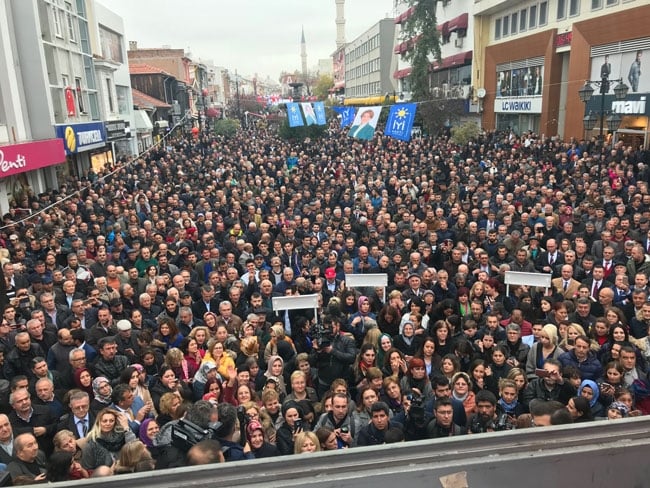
[400, 121]
[347, 115]
[319, 108]
[293, 112]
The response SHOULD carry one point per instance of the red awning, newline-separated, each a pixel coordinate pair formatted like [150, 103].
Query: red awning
[404, 15]
[443, 29]
[459, 22]
[459, 59]
[402, 73]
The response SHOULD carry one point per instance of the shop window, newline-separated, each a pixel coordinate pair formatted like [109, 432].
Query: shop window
[497, 29]
[505, 29]
[574, 7]
[596, 4]
[561, 9]
[514, 23]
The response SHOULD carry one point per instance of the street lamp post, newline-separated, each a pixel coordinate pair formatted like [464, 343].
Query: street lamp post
[585, 94]
[204, 94]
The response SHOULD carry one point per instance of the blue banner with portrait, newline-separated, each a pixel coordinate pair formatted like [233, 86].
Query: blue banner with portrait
[400, 121]
[295, 117]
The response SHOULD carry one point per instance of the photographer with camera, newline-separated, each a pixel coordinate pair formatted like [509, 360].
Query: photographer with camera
[485, 418]
[228, 434]
[339, 419]
[333, 353]
[177, 437]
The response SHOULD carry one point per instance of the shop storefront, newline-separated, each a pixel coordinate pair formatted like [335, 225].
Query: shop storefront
[27, 167]
[518, 101]
[118, 135]
[634, 112]
[82, 142]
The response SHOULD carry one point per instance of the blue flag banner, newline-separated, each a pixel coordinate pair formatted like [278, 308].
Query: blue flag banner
[293, 112]
[319, 108]
[308, 111]
[400, 121]
[347, 115]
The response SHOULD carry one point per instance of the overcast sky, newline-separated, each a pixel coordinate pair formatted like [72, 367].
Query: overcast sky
[251, 36]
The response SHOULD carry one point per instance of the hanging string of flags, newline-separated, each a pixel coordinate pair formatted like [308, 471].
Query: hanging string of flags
[363, 122]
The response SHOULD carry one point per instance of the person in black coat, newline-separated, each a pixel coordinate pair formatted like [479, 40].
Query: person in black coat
[407, 342]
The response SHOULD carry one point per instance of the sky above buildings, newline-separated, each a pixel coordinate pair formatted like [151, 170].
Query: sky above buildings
[250, 36]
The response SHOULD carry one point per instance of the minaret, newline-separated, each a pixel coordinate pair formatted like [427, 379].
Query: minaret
[340, 23]
[303, 52]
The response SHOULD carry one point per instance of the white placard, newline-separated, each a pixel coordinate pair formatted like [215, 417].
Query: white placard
[530, 279]
[370, 279]
[295, 302]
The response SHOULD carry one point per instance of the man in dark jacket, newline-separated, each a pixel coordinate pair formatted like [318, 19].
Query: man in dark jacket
[109, 363]
[334, 357]
[551, 387]
[443, 425]
[373, 433]
[583, 359]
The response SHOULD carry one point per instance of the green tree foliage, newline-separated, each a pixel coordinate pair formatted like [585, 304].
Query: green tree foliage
[322, 86]
[300, 133]
[464, 133]
[424, 42]
[226, 127]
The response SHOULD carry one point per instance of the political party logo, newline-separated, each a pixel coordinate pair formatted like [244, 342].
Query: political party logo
[70, 139]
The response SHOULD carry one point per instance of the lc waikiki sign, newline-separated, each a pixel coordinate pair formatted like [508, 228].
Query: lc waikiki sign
[519, 105]
[20, 158]
[82, 137]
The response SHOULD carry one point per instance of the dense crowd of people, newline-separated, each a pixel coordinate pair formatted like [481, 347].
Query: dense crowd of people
[138, 324]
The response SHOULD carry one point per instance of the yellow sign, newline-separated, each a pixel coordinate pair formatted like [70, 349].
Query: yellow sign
[70, 139]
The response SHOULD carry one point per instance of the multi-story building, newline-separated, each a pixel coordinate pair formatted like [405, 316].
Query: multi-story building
[536, 55]
[451, 75]
[369, 65]
[50, 100]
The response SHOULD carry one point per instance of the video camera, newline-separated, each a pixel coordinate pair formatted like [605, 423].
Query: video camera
[322, 334]
[501, 423]
[416, 411]
[185, 434]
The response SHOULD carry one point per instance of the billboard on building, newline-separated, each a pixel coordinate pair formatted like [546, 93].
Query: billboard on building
[339, 68]
[520, 82]
[627, 65]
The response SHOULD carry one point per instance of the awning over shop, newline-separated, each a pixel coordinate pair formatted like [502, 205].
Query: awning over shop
[402, 73]
[404, 15]
[459, 59]
[458, 23]
[142, 121]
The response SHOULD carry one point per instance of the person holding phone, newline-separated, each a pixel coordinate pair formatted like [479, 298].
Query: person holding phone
[293, 425]
[549, 385]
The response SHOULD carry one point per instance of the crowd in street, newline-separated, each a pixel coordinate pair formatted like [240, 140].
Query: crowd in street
[139, 330]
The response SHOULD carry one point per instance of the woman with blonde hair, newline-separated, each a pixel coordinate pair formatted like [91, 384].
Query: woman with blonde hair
[545, 348]
[574, 330]
[372, 337]
[108, 435]
[248, 347]
[216, 354]
[131, 455]
[277, 335]
[477, 291]
[65, 441]
[306, 442]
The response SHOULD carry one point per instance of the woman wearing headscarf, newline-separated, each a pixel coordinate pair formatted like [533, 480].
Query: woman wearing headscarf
[359, 321]
[589, 390]
[83, 380]
[207, 370]
[260, 447]
[102, 391]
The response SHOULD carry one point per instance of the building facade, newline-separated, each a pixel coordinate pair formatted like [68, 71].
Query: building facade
[537, 55]
[370, 64]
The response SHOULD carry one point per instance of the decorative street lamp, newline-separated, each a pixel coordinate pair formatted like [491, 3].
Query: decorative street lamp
[587, 91]
[204, 94]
